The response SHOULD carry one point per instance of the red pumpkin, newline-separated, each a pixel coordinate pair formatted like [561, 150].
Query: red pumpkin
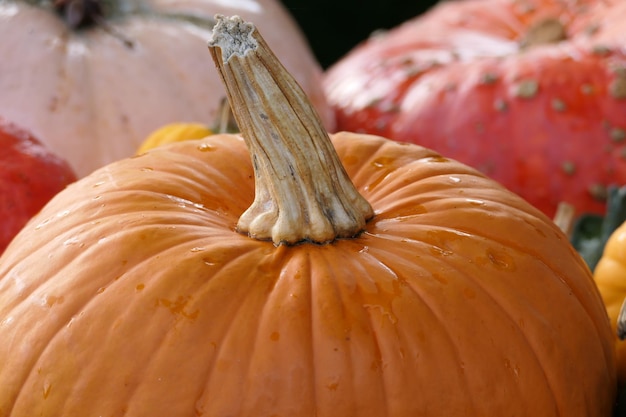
[30, 174]
[532, 93]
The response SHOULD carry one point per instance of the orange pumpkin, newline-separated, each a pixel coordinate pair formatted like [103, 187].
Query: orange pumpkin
[93, 85]
[371, 278]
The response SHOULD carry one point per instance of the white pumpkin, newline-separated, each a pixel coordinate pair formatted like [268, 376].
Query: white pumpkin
[93, 93]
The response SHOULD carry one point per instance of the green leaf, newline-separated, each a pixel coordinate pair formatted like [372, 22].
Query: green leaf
[591, 231]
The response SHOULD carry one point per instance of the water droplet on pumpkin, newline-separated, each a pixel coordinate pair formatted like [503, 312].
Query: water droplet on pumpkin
[146, 169]
[47, 387]
[383, 311]
[205, 147]
[435, 250]
[42, 224]
[475, 202]
[178, 307]
[197, 249]
[140, 287]
[378, 180]
[501, 260]
[380, 299]
[454, 180]
[512, 367]
[7, 321]
[98, 184]
[437, 158]
[383, 162]
[71, 241]
[50, 300]
[209, 262]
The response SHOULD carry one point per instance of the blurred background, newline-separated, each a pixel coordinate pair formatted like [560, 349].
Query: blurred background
[333, 27]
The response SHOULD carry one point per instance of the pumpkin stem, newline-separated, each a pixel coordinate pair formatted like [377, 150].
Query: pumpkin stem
[226, 122]
[564, 217]
[302, 190]
[84, 13]
[79, 13]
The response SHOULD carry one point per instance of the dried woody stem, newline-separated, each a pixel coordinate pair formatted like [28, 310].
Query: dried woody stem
[302, 190]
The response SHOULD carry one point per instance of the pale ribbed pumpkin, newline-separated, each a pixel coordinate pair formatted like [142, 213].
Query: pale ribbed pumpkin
[93, 84]
[371, 278]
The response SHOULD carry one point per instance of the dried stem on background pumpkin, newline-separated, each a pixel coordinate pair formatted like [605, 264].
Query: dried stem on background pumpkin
[302, 190]
[564, 217]
[226, 122]
[81, 13]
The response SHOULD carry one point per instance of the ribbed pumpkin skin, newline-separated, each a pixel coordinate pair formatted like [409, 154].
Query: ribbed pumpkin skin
[131, 294]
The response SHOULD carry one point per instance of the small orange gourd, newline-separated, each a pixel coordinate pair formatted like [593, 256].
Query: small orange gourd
[280, 273]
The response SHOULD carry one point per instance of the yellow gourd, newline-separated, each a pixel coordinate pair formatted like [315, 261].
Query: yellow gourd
[174, 132]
